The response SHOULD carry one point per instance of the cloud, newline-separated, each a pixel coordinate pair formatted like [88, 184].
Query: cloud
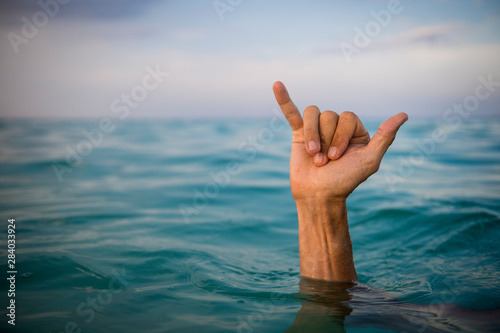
[12, 11]
[430, 35]
[76, 67]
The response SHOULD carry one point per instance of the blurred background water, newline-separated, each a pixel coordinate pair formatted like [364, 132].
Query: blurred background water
[138, 237]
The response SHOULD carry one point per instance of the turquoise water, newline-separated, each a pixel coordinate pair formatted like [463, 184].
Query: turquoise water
[138, 237]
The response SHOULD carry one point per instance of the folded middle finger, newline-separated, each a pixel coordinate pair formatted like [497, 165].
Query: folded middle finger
[327, 126]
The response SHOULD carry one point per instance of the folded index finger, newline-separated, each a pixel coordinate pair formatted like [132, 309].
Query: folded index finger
[289, 109]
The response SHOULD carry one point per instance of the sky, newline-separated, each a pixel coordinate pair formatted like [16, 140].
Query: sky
[219, 58]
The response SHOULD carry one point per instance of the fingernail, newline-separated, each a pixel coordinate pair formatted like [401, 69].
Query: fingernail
[312, 145]
[318, 158]
[332, 152]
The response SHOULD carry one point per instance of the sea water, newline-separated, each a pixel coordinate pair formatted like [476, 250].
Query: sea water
[190, 226]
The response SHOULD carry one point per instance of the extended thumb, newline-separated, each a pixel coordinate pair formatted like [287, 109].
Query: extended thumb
[386, 134]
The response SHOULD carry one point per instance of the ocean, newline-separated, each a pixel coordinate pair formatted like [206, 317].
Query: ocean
[189, 226]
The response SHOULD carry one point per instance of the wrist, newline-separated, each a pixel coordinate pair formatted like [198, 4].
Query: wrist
[329, 214]
[320, 197]
[320, 209]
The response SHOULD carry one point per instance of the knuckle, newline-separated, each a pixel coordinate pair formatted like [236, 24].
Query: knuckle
[389, 136]
[311, 110]
[381, 132]
[348, 115]
[328, 116]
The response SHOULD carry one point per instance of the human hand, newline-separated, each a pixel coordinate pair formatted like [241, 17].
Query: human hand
[342, 155]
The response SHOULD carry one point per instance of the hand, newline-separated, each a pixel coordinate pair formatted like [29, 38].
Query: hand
[341, 155]
[323, 174]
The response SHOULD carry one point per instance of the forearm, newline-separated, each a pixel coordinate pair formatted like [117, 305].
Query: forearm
[324, 241]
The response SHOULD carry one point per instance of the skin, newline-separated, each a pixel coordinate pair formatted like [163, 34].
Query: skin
[321, 180]
[331, 155]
